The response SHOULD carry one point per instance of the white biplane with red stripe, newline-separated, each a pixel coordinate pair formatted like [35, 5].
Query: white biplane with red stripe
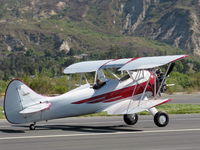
[137, 86]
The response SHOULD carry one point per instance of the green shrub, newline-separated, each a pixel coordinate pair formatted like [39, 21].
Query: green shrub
[3, 85]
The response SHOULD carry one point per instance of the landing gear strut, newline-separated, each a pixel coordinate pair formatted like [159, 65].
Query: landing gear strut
[130, 119]
[32, 126]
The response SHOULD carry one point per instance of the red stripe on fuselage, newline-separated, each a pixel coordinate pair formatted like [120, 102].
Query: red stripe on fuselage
[116, 95]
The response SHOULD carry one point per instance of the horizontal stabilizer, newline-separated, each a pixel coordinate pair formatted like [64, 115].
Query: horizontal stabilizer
[134, 106]
[36, 108]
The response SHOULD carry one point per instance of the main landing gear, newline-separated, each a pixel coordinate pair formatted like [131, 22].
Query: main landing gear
[161, 119]
[130, 119]
[32, 126]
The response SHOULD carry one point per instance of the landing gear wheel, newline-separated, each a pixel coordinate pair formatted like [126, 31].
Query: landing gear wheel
[161, 119]
[32, 127]
[130, 119]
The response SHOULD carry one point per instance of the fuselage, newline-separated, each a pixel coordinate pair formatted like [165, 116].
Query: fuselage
[80, 101]
[85, 99]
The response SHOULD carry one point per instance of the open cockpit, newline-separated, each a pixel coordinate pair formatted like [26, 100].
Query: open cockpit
[98, 79]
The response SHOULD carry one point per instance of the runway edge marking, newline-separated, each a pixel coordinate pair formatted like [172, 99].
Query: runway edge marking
[96, 134]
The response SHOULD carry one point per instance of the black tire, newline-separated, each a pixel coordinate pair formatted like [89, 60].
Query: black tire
[161, 119]
[32, 127]
[130, 119]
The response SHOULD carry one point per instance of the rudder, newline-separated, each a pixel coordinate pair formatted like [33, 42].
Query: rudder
[18, 96]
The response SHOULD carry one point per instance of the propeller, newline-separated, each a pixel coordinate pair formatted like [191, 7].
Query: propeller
[170, 69]
[161, 77]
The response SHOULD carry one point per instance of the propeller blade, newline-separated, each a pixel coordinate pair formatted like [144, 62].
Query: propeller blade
[170, 69]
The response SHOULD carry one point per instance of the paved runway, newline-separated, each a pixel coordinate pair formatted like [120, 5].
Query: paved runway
[184, 98]
[99, 133]
[183, 132]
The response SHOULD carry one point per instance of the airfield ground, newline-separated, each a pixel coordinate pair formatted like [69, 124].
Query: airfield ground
[85, 133]
[183, 132]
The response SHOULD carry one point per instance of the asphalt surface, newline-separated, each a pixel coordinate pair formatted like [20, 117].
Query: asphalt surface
[177, 98]
[184, 98]
[104, 133]
[182, 133]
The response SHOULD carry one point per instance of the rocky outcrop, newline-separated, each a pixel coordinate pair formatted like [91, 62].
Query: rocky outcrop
[65, 46]
[172, 22]
[135, 11]
[195, 37]
[32, 40]
[10, 43]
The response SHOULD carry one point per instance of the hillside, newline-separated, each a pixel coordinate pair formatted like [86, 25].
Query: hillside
[50, 34]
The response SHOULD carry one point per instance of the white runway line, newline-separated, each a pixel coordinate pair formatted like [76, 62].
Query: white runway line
[98, 134]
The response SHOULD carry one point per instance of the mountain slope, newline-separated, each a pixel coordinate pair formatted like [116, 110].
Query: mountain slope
[54, 33]
[175, 22]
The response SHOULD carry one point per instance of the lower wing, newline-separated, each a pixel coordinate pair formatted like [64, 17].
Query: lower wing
[130, 106]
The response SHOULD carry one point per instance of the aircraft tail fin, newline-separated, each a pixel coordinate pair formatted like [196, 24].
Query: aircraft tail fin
[19, 97]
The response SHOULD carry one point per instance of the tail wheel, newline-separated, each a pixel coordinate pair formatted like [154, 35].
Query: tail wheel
[32, 127]
[130, 119]
[161, 119]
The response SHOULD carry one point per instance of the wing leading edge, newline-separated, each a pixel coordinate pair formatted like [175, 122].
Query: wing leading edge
[137, 63]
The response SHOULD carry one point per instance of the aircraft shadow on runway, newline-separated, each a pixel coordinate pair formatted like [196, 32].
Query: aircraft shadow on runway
[11, 131]
[88, 129]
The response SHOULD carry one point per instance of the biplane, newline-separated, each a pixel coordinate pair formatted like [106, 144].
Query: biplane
[135, 86]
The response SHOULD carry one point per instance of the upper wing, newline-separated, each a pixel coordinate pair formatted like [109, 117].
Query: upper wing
[151, 62]
[90, 66]
[86, 66]
[123, 64]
